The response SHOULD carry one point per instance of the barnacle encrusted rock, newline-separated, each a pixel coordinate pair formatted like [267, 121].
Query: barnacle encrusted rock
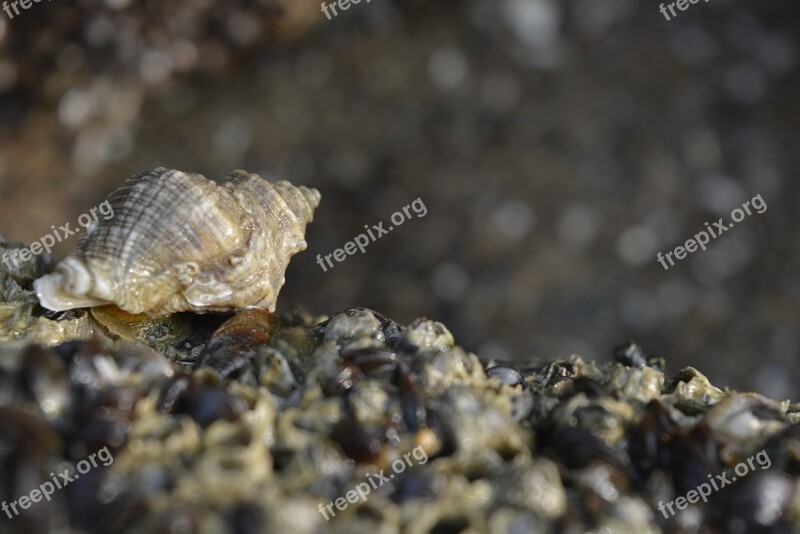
[291, 412]
[21, 320]
[229, 423]
[178, 241]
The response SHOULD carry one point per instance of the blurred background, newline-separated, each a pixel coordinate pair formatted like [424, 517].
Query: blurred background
[558, 145]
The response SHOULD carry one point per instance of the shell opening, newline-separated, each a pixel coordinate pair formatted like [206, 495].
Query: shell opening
[48, 289]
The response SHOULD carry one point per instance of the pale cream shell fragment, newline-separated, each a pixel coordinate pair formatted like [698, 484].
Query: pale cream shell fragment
[181, 242]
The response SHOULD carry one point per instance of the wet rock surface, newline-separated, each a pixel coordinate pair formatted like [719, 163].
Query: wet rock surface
[271, 423]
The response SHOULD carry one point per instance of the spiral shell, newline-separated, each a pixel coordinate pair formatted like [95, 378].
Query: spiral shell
[181, 242]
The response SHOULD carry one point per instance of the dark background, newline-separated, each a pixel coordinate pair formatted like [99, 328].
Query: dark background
[557, 145]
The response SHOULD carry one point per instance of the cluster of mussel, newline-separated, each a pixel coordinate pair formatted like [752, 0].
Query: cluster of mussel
[278, 415]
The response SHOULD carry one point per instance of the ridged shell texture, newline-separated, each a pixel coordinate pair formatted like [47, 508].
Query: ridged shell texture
[181, 242]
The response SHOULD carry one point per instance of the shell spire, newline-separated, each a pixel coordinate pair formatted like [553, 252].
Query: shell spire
[181, 242]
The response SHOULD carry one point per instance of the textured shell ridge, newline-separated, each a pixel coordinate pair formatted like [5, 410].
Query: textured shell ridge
[181, 242]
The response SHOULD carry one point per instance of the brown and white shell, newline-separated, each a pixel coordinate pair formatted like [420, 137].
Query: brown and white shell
[180, 242]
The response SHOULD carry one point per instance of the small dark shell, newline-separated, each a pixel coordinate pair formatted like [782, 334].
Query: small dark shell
[370, 361]
[577, 448]
[105, 419]
[201, 399]
[234, 346]
[630, 354]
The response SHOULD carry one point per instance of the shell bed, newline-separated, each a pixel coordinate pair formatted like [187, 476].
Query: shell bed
[260, 423]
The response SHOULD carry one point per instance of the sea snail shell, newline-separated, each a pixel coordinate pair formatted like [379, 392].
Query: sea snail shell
[181, 242]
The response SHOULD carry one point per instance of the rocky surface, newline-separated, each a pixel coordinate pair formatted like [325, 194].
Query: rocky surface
[280, 432]
[558, 145]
